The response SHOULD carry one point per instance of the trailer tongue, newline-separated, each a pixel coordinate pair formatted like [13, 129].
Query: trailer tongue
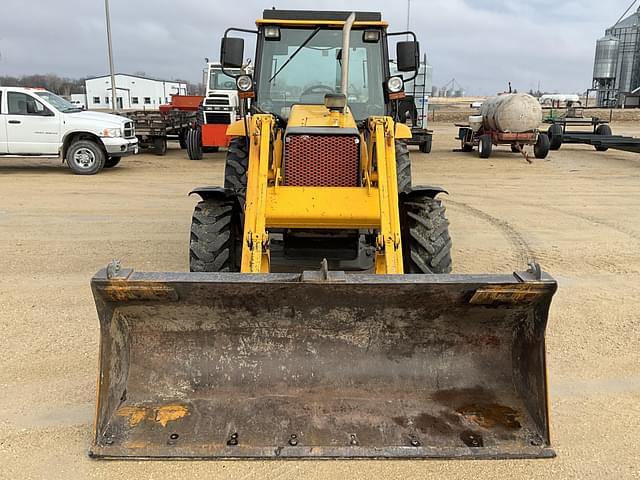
[321, 364]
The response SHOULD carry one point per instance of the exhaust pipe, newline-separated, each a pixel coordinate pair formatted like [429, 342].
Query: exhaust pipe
[346, 32]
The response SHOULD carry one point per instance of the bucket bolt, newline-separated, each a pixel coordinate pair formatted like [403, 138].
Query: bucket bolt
[293, 440]
[353, 440]
[233, 440]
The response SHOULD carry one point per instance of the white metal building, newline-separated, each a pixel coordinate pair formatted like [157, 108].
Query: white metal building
[133, 92]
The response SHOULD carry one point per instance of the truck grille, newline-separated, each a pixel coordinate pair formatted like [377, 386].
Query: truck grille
[217, 101]
[129, 130]
[218, 118]
[321, 160]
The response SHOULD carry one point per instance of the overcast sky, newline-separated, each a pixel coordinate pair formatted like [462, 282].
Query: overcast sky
[482, 43]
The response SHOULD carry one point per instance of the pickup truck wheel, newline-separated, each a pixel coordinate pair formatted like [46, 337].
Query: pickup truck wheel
[111, 162]
[85, 157]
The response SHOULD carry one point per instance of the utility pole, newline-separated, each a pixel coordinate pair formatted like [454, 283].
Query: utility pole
[408, 17]
[114, 105]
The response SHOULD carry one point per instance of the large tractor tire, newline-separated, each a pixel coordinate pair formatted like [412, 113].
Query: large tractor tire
[403, 167]
[194, 144]
[215, 237]
[426, 244]
[603, 129]
[555, 137]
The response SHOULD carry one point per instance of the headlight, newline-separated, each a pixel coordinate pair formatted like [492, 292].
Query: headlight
[112, 132]
[244, 83]
[395, 84]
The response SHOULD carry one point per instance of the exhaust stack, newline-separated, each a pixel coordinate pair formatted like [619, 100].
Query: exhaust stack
[346, 32]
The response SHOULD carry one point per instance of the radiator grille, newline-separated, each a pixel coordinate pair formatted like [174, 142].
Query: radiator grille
[321, 160]
[218, 118]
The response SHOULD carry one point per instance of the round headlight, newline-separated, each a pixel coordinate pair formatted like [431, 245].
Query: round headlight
[244, 83]
[395, 84]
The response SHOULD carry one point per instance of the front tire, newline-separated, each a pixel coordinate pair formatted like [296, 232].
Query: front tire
[403, 167]
[85, 157]
[194, 144]
[425, 147]
[541, 148]
[215, 237]
[426, 244]
[485, 145]
[111, 162]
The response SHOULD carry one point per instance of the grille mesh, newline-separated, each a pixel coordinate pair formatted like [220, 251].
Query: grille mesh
[321, 161]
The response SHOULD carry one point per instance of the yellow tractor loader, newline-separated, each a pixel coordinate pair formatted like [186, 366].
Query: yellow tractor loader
[320, 318]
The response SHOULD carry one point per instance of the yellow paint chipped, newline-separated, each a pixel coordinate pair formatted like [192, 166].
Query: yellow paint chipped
[170, 413]
[135, 414]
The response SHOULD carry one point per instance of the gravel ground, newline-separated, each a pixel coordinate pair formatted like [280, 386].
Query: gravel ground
[578, 214]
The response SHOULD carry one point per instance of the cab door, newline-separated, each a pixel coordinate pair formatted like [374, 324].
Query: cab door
[32, 128]
[3, 126]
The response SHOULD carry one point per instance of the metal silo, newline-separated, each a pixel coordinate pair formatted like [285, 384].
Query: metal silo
[604, 66]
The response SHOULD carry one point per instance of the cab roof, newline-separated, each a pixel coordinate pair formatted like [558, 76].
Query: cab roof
[318, 17]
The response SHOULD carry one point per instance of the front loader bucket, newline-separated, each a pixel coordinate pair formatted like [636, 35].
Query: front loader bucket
[230, 365]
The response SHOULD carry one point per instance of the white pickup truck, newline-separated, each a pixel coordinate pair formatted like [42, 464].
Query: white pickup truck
[36, 122]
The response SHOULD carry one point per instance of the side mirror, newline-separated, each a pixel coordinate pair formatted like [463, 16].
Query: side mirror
[232, 52]
[408, 56]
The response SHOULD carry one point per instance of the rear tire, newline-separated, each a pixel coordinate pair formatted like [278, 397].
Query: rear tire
[182, 138]
[426, 244]
[111, 162]
[214, 237]
[603, 129]
[541, 148]
[555, 137]
[194, 144]
[160, 145]
[85, 157]
[485, 145]
[403, 167]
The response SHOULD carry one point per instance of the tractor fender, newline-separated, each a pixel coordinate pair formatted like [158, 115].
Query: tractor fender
[429, 190]
[214, 192]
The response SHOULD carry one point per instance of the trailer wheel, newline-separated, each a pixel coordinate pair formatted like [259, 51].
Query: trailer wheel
[603, 129]
[403, 167]
[194, 144]
[425, 147]
[160, 145]
[485, 145]
[555, 136]
[464, 145]
[111, 162]
[214, 237]
[426, 244]
[541, 148]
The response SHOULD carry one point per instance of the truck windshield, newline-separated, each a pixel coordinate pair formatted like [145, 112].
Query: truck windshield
[221, 81]
[316, 70]
[58, 103]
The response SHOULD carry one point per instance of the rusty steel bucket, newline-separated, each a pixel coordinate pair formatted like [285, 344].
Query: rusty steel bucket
[230, 365]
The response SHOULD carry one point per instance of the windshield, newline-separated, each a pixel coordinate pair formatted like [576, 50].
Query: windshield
[58, 103]
[316, 70]
[220, 81]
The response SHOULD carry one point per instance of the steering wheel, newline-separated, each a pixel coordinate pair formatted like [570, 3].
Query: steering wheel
[317, 89]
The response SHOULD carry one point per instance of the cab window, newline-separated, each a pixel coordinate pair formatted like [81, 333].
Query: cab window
[23, 104]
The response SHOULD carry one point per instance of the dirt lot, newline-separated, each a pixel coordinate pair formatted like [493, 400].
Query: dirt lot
[578, 214]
